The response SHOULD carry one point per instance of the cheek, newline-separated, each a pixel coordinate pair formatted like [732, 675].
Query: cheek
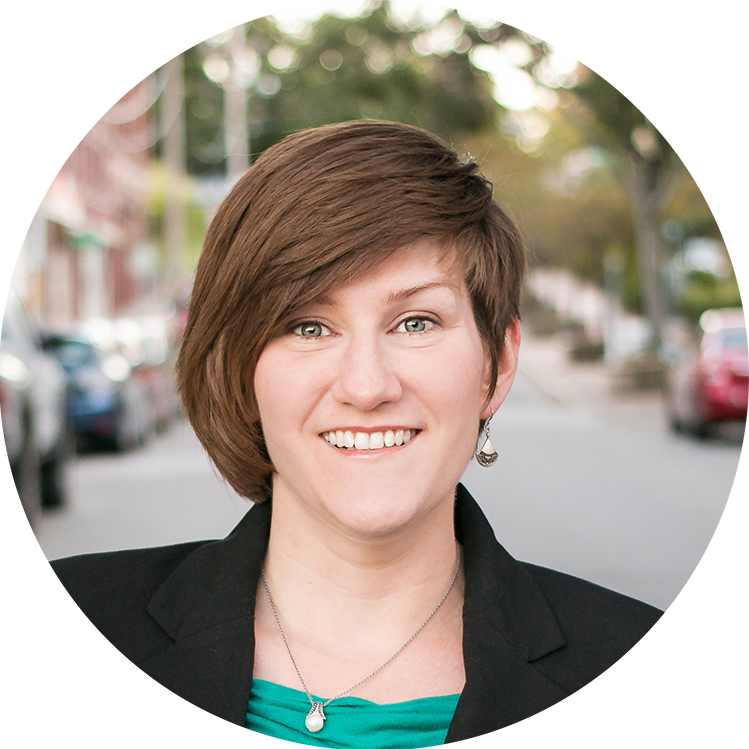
[272, 392]
[452, 383]
[286, 391]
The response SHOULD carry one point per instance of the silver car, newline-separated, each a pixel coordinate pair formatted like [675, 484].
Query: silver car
[33, 401]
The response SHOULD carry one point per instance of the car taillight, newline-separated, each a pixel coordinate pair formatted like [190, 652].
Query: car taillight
[715, 373]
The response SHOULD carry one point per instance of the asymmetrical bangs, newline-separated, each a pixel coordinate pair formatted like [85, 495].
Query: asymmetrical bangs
[315, 211]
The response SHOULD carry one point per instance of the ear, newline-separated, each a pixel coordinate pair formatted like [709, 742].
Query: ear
[508, 365]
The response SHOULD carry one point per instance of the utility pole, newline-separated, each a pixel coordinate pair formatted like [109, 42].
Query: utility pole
[234, 65]
[173, 127]
[236, 136]
[648, 185]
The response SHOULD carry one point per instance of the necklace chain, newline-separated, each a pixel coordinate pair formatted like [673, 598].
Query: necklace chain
[387, 662]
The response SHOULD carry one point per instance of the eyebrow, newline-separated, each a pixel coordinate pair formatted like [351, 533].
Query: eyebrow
[395, 296]
[398, 296]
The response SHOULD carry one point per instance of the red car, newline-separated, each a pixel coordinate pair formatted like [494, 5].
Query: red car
[713, 385]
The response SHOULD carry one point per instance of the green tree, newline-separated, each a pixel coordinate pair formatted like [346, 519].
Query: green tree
[646, 166]
[203, 113]
[367, 67]
[373, 66]
[570, 206]
[346, 68]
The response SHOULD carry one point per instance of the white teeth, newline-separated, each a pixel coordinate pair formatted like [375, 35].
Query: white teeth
[376, 441]
[365, 441]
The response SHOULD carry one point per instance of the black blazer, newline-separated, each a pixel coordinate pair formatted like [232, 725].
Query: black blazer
[185, 615]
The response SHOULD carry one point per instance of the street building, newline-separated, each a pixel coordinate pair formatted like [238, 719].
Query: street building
[74, 143]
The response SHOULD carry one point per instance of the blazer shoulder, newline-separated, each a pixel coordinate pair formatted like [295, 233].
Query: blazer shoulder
[588, 612]
[599, 625]
[113, 590]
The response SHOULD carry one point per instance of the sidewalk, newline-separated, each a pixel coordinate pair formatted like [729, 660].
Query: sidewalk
[585, 385]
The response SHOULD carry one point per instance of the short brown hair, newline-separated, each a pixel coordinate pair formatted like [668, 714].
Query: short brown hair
[318, 209]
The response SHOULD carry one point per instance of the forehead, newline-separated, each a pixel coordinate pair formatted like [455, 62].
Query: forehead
[418, 268]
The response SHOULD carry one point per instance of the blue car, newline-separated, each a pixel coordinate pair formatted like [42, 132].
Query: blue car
[106, 404]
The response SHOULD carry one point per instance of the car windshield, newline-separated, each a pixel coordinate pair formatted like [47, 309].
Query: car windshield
[734, 338]
[74, 354]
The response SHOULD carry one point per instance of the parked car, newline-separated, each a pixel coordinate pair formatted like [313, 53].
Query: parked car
[33, 397]
[106, 404]
[711, 386]
[145, 343]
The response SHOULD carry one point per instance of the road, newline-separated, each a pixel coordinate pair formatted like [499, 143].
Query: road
[618, 501]
[604, 493]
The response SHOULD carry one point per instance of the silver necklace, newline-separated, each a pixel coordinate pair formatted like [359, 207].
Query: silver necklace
[316, 717]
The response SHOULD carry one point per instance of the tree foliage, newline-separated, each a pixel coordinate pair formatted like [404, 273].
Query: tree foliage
[368, 67]
[572, 209]
[343, 69]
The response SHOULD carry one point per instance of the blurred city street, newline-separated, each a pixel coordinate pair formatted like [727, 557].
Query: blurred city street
[618, 445]
[636, 224]
[587, 483]
[596, 485]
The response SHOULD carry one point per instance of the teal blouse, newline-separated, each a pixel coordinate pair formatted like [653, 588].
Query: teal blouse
[352, 723]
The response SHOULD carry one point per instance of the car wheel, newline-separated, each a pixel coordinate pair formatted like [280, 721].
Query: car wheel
[143, 429]
[141, 436]
[124, 437]
[120, 441]
[55, 474]
[675, 424]
[26, 475]
[29, 485]
[702, 430]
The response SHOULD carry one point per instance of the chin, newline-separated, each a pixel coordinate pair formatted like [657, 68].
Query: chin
[371, 525]
[379, 512]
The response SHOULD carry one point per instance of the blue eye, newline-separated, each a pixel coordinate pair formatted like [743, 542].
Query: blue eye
[311, 330]
[415, 325]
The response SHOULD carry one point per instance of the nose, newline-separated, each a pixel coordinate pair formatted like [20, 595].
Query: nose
[366, 379]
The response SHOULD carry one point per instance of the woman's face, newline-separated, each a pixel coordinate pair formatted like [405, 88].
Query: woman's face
[370, 399]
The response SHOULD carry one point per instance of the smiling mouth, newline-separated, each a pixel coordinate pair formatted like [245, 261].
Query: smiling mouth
[349, 440]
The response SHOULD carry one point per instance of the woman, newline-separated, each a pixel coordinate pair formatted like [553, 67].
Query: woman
[352, 330]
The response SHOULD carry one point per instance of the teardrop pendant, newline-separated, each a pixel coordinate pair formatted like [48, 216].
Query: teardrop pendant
[315, 719]
[487, 455]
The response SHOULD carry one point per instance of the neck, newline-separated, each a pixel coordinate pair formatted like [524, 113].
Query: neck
[380, 583]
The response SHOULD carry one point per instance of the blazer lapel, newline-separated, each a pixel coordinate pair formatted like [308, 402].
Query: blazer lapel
[207, 606]
[507, 624]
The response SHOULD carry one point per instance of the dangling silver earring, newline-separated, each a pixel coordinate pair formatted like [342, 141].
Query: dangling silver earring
[487, 455]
